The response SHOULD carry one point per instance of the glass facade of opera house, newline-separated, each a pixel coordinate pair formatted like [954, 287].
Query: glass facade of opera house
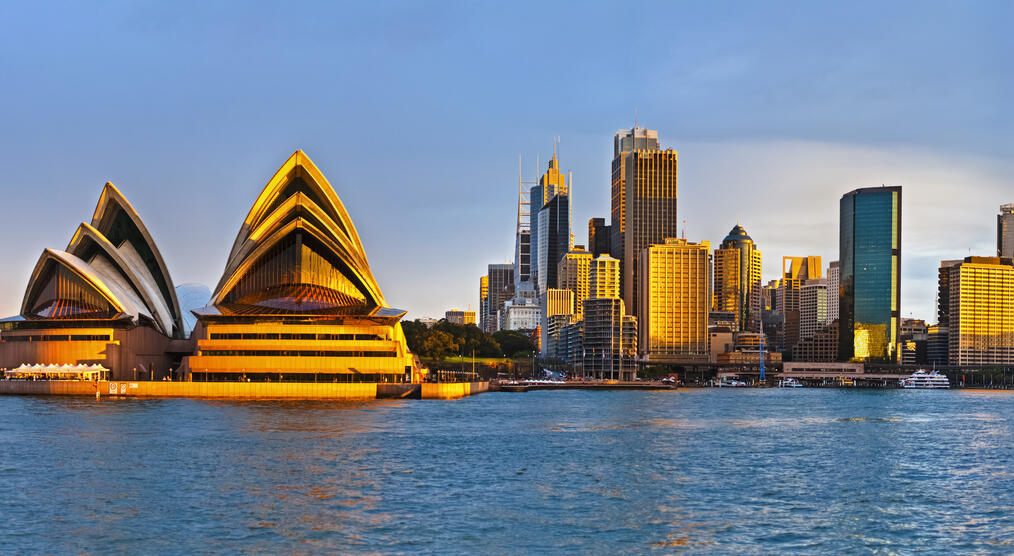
[296, 303]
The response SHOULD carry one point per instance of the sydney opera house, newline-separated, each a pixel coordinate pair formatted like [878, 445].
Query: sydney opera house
[296, 303]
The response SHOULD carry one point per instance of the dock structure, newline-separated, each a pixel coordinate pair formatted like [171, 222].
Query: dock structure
[244, 390]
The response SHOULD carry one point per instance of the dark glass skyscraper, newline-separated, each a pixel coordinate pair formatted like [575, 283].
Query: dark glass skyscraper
[870, 255]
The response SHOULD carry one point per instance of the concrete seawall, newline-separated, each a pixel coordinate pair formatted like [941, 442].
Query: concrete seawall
[225, 390]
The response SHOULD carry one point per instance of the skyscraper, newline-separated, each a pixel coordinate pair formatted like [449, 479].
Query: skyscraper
[598, 237]
[813, 296]
[551, 185]
[795, 272]
[870, 256]
[643, 202]
[981, 311]
[604, 278]
[1005, 231]
[500, 278]
[573, 275]
[484, 302]
[675, 302]
[833, 287]
[737, 276]
[553, 240]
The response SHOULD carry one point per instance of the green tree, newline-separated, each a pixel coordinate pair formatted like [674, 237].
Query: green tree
[513, 342]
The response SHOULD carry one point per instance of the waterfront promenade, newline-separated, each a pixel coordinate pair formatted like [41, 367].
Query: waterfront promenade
[244, 390]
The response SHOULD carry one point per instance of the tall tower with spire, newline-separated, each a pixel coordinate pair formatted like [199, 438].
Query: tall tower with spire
[550, 218]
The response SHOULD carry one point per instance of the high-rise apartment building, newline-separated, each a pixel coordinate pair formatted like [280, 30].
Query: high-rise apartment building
[610, 340]
[738, 279]
[573, 274]
[604, 278]
[813, 297]
[833, 290]
[643, 202]
[675, 301]
[500, 278]
[1005, 231]
[981, 311]
[870, 255]
[554, 303]
[598, 237]
[795, 272]
[551, 185]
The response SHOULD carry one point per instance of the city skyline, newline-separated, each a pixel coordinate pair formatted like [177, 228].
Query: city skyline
[179, 126]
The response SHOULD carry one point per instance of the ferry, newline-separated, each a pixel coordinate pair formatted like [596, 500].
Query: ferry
[923, 379]
[790, 383]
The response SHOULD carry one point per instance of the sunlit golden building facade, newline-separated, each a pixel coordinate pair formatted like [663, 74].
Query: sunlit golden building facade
[981, 311]
[643, 212]
[573, 275]
[676, 301]
[604, 278]
[107, 299]
[738, 279]
[297, 300]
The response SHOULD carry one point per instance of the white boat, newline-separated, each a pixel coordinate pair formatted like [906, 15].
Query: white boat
[731, 383]
[790, 383]
[923, 379]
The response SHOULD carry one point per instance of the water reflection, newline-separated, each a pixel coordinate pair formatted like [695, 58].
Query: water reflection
[811, 471]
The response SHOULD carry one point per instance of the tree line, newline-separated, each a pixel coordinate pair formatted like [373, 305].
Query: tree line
[445, 339]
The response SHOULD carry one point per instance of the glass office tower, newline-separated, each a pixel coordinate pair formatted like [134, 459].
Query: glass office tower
[870, 255]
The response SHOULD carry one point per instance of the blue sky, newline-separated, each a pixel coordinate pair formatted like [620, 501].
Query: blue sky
[417, 113]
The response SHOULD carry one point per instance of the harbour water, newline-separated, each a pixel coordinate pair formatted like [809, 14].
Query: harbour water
[709, 471]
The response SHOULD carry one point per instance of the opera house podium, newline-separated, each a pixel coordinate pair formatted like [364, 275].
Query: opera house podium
[297, 301]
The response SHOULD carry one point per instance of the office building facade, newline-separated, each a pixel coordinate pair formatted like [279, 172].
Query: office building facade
[738, 279]
[981, 311]
[870, 259]
[676, 302]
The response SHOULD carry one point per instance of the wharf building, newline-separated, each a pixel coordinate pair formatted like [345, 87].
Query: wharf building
[981, 311]
[297, 300]
[459, 316]
[1005, 231]
[738, 279]
[107, 300]
[870, 256]
[643, 211]
[675, 302]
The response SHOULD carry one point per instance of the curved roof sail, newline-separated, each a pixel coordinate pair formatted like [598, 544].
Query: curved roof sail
[117, 220]
[110, 270]
[297, 252]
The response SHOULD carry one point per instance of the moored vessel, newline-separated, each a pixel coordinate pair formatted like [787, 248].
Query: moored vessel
[923, 379]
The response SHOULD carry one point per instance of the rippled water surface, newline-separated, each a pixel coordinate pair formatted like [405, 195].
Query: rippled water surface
[710, 471]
